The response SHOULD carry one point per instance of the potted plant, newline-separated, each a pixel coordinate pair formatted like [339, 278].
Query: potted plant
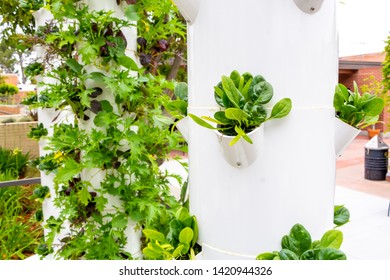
[178, 108]
[354, 111]
[242, 99]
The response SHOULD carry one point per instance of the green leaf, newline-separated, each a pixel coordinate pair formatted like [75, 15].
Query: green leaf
[201, 122]
[341, 215]
[281, 109]
[131, 13]
[242, 134]
[154, 235]
[374, 107]
[74, 65]
[127, 62]
[331, 254]
[235, 77]
[181, 91]
[178, 105]
[83, 195]
[236, 114]
[222, 119]
[332, 239]
[235, 140]
[309, 255]
[69, 170]
[245, 90]
[286, 254]
[151, 254]
[106, 106]
[195, 228]
[186, 235]
[97, 76]
[262, 93]
[103, 119]
[119, 221]
[267, 256]
[298, 241]
[231, 91]
[182, 214]
[178, 251]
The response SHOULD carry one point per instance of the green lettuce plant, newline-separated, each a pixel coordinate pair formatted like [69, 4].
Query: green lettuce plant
[178, 106]
[298, 244]
[242, 99]
[356, 109]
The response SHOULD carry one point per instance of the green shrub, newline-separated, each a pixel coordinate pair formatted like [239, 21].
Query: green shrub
[13, 160]
[8, 90]
[20, 232]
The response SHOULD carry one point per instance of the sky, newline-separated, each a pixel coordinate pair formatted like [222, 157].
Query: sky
[363, 26]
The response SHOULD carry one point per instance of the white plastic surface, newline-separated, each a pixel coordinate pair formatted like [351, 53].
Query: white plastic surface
[242, 154]
[344, 135]
[309, 6]
[246, 211]
[189, 9]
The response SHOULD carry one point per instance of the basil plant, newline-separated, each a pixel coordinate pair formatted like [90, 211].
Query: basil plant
[242, 99]
[355, 109]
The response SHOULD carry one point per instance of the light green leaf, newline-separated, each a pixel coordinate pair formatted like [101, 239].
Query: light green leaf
[74, 65]
[186, 235]
[120, 221]
[231, 91]
[83, 195]
[131, 13]
[236, 114]
[267, 256]
[235, 140]
[69, 170]
[127, 62]
[154, 235]
[201, 122]
[243, 134]
[151, 254]
[181, 91]
[213, 120]
[332, 239]
[281, 109]
[178, 251]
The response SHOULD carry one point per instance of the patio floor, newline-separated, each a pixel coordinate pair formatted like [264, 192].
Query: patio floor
[367, 235]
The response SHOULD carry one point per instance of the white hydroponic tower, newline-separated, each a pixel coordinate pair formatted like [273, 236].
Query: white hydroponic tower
[245, 210]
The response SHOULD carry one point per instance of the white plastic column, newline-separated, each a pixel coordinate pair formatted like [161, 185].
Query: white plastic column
[46, 116]
[245, 211]
[95, 176]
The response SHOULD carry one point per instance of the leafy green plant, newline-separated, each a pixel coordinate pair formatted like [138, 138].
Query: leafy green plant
[20, 233]
[13, 160]
[242, 99]
[341, 215]
[37, 132]
[8, 90]
[40, 193]
[178, 243]
[31, 5]
[127, 138]
[356, 109]
[34, 69]
[298, 244]
[178, 106]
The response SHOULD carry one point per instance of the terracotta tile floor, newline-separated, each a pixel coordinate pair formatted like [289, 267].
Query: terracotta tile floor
[350, 170]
